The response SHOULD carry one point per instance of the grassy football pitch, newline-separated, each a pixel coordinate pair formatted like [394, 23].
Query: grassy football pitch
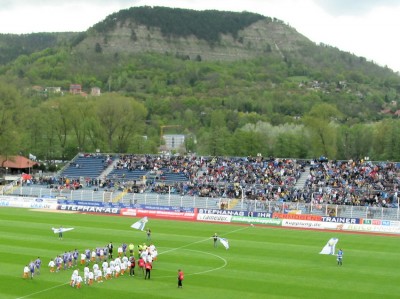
[262, 262]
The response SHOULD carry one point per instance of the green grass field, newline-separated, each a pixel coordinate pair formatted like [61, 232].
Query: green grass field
[262, 262]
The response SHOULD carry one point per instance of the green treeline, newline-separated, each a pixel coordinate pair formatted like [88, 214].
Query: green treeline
[301, 103]
[14, 45]
[206, 25]
[237, 109]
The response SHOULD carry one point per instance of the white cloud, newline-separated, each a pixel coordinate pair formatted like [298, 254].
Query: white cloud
[353, 7]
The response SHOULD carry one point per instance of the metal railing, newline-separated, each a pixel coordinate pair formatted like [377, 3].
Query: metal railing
[243, 204]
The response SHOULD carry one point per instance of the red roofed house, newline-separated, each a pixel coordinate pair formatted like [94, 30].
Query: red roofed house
[75, 88]
[16, 163]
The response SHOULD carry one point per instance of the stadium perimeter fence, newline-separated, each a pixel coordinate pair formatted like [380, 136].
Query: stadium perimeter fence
[241, 204]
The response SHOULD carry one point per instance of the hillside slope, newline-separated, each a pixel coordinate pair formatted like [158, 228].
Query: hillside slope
[128, 35]
[14, 45]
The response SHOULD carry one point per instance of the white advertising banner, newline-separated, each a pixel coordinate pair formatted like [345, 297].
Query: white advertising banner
[28, 202]
[213, 217]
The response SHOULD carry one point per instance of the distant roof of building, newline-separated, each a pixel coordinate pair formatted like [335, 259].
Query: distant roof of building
[16, 162]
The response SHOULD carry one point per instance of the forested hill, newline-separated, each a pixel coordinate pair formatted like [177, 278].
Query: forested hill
[212, 35]
[14, 45]
[234, 83]
[174, 22]
[195, 35]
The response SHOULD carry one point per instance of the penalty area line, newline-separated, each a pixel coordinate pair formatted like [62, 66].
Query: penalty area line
[42, 291]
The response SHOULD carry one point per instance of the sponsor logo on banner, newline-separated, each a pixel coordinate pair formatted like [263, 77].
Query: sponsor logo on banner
[394, 223]
[256, 220]
[297, 216]
[212, 217]
[81, 203]
[302, 223]
[260, 214]
[26, 202]
[373, 228]
[40, 206]
[378, 222]
[311, 224]
[340, 219]
[165, 214]
[128, 212]
[89, 209]
[223, 212]
[166, 208]
[4, 203]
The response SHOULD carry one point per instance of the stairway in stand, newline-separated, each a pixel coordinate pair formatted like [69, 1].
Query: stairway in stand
[303, 178]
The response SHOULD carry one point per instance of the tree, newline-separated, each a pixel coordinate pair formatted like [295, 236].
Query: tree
[98, 48]
[245, 143]
[356, 141]
[389, 133]
[9, 120]
[120, 117]
[81, 111]
[321, 123]
[218, 143]
[60, 111]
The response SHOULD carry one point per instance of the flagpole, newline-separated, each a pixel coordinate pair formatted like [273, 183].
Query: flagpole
[241, 191]
[169, 195]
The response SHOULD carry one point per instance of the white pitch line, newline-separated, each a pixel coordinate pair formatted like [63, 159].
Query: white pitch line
[205, 271]
[187, 245]
[173, 249]
[211, 270]
[237, 230]
[42, 291]
[204, 252]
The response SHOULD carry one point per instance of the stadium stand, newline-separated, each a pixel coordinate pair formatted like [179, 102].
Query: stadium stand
[86, 166]
[323, 187]
[127, 174]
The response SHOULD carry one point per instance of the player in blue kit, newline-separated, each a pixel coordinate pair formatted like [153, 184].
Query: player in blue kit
[340, 257]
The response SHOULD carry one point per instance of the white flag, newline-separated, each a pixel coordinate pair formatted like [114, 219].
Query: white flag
[32, 157]
[140, 224]
[61, 230]
[329, 248]
[224, 242]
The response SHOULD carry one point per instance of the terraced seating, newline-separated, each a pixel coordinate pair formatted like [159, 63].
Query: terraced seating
[87, 166]
[174, 177]
[126, 174]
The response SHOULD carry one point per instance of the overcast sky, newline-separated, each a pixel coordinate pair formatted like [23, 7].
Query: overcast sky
[368, 28]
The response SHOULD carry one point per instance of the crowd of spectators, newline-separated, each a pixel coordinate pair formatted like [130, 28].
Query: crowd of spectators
[359, 183]
[216, 177]
[241, 177]
[158, 165]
